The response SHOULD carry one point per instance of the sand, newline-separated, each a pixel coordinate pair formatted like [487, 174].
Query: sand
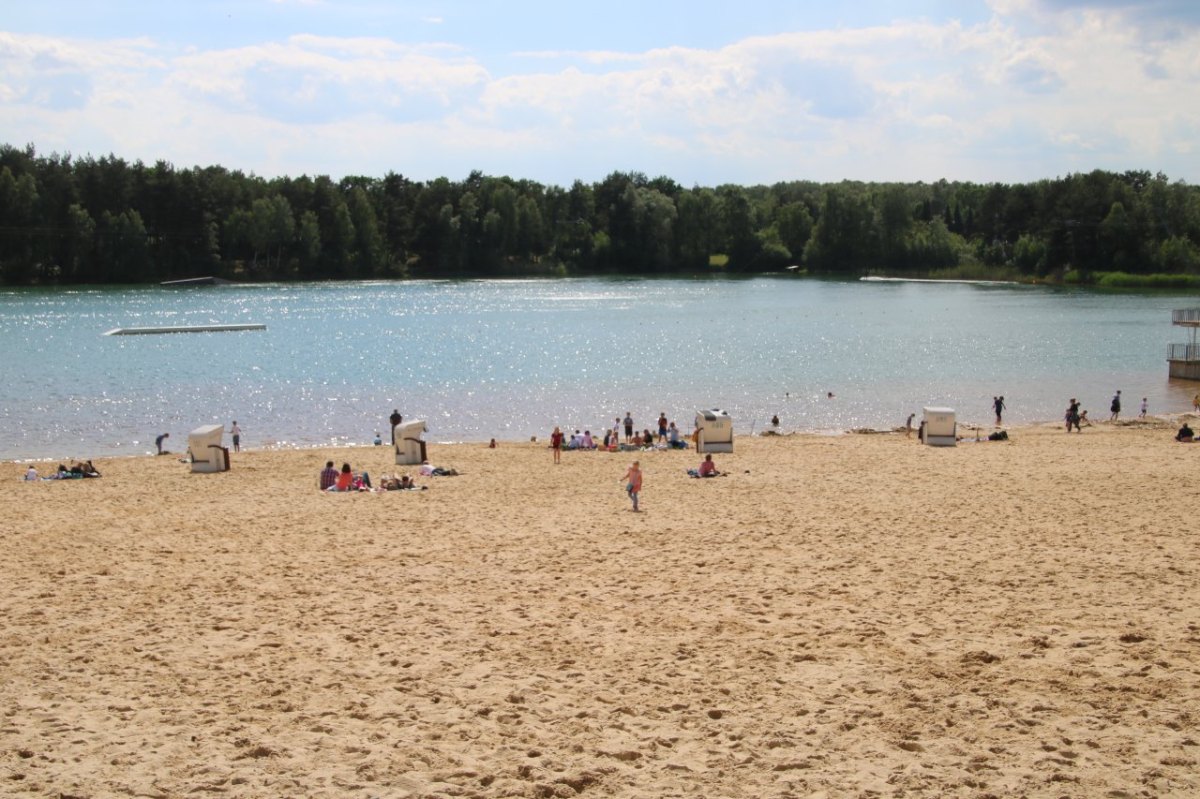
[837, 616]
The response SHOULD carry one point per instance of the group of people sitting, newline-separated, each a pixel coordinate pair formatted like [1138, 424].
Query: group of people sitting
[347, 479]
[77, 471]
[669, 438]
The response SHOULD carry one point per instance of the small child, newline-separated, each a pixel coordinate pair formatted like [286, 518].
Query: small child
[1145, 407]
[633, 484]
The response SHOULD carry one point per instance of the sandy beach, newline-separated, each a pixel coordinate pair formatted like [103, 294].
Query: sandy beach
[836, 616]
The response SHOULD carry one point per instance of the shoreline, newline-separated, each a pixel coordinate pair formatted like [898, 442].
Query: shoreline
[1151, 420]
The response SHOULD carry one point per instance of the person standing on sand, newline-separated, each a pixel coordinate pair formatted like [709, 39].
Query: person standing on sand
[1145, 407]
[633, 484]
[395, 419]
[908, 425]
[556, 442]
[662, 427]
[1196, 403]
[628, 426]
[1115, 407]
[237, 436]
[1073, 415]
[158, 442]
[998, 404]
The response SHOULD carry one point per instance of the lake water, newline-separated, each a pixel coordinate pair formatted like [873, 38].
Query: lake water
[511, 358]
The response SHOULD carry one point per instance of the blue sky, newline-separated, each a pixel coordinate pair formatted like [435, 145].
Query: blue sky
[703, 92]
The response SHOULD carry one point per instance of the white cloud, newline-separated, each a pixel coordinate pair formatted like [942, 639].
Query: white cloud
[1041, 89]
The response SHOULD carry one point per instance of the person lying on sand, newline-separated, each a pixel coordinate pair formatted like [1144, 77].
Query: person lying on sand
[436, 471]
[401, 483]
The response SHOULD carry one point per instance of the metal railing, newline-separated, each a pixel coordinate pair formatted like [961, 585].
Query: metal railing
[1186, 316]
[1184, 352]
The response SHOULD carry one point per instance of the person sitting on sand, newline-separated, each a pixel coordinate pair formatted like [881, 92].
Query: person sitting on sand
[329, 476]
[707, 468]
[31, 474]
[348, 480]
[674, 439]
[345, 479]
[1185, 434]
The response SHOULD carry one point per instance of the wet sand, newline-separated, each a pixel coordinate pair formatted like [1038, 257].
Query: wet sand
[836, 616]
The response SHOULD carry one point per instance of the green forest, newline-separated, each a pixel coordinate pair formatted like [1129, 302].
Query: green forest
[66, 220]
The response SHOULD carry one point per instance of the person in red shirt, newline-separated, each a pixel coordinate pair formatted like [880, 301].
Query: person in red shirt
[556, 442]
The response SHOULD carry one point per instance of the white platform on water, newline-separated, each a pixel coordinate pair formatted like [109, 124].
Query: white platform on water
[141, 331]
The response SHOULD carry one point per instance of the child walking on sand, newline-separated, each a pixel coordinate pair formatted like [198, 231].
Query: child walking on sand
[633, 484]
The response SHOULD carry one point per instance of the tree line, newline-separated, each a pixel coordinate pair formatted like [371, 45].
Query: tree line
[67, 220]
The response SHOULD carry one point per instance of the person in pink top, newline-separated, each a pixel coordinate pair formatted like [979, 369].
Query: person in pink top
[708, 468]
[633, 484]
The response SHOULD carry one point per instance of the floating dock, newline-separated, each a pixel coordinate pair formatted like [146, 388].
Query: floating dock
[144, 331]
[197, 281]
